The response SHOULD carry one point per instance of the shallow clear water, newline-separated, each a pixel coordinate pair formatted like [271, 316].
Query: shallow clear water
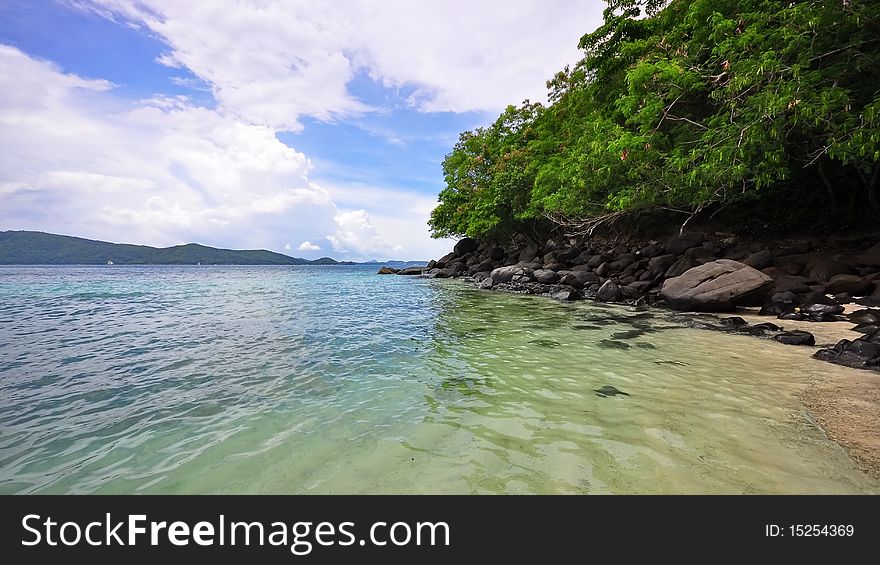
[197, 379]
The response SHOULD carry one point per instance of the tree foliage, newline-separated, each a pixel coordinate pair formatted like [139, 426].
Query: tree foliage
[684, 104]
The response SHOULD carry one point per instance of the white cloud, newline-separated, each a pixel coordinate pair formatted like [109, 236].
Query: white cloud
[308, 246]
[75, 159]
[272, 61]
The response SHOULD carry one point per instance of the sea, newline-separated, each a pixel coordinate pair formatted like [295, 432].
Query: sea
[333, 379]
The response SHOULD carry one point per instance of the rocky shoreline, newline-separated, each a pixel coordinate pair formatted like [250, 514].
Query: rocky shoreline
[795, 280]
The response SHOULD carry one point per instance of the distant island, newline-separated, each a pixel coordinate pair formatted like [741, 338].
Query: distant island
[38, 248]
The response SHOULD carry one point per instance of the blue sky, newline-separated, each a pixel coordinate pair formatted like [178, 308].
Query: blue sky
[307, 128]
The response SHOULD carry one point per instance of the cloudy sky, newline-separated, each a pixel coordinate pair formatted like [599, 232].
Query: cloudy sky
[313, 128]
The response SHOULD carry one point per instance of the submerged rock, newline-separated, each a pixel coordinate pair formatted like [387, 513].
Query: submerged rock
[717, 286]
[608, 390]
[795, 337]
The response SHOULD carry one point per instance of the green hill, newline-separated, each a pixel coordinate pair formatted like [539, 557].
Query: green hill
[37, 248]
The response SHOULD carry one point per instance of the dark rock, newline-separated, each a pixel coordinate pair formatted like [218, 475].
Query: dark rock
[608, 390]
[717, 286]
[582, 259]
[660, 264]
[871, 257]
[852, 284]
[455, 269]
[768, 326]
[445, 260]
[528, 254]
[387, 271]
[608, 292]
[431, 264]
[795, 337]
[680, 267]
[495, 253]
[862, 353]
[818, 297]
[566, 295]
[567, 255]
[733, 322]
[441, 273]
[759, 260]
[464, 246]
[597, 260]
[603, 269]
[700, 254]
[843, 298]
[486, 265]
[579, 279]
[487, 283]
[822, 308]
[621, 262]
[866, 316]
[788, 283]
[545, 276]
[866, 328]
[873, 300]
[653, 250]
[796, 316]
[640, 287]
[822, 268]
[611, 344]
[678, 245]
[415, 270]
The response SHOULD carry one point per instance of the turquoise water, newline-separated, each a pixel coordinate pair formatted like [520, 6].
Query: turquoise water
[198, 379]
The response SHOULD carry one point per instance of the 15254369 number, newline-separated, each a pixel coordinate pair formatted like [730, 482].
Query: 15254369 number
[815, 530]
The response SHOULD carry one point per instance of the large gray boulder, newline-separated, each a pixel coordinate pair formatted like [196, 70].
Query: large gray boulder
[717, 287]
[512, 273]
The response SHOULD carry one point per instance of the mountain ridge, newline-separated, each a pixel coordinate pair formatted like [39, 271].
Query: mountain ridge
[20, 247]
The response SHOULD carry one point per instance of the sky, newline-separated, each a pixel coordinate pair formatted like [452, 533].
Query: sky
[310, 128]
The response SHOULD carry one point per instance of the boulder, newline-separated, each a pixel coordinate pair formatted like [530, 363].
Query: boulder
[487, 283]
[465, 246]
[443, 261]
[680, 267]
[495, 253]
[528, 254]
[678, 245]
[795, 337]
[653, 250]
[660, 264]
[720, 285]
[415, 270]
[862, 353]
[821, 268]
[545, 276]
[873, 300]
[567, 255]
[597, 260]
[822, 308]
[603, 269]
[759, 260]
[608, 292]
[621, 262]
[871, 257]
[566, 295]
[387, 271]
[513, 273]
[851, 284]
[866, 316]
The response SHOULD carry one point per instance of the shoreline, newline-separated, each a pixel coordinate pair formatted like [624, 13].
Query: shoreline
[806, 288]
